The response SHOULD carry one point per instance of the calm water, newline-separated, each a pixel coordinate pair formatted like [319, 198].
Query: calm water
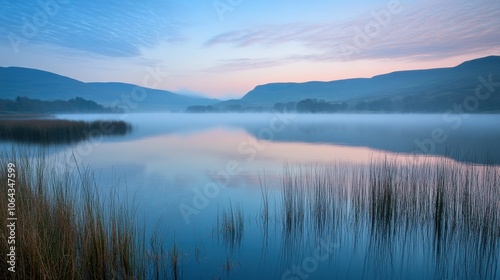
[186, 169]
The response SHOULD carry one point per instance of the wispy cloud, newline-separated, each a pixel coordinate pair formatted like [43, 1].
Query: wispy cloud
[428, 30]
[110, 28]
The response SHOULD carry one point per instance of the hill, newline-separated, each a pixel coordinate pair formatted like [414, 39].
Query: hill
[37, 84]
[431, 90]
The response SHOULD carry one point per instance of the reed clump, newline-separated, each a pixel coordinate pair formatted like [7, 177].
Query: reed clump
[55, 131]
[66, 229]
[231, 226]
[449, 209]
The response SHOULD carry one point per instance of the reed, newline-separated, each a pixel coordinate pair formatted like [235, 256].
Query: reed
[54, 131]
[228, 266]
[265, 204]
[293, 200]
[232, 226]
[453, 207]
[174, 259]
[66, 229]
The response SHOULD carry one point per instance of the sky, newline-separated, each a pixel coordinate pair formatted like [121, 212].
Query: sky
[224, 48]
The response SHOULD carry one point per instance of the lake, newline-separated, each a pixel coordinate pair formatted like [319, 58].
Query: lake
[283, 196]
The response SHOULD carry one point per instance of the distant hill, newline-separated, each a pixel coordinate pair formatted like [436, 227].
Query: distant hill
[37, 84]
[432, 90]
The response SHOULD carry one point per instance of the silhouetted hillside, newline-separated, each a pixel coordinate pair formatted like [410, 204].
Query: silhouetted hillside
[432, 90]
[31, 83]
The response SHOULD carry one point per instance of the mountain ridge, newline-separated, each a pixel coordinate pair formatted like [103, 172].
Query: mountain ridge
[44, 85]
[461, 79]
[432, 90]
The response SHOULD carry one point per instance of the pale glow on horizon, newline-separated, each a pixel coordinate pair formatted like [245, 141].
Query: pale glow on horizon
[192, 160]
[226, 57]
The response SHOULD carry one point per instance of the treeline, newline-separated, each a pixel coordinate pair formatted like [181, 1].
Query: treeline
[304, 106]
[74, 105]
[322, 106]
[227, 109]
[407, 104]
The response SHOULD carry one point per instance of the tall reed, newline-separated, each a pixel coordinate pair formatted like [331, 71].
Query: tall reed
[66, 228]
[232, 226]
[449, 209]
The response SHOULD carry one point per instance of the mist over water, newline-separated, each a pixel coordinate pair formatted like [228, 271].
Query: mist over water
[469, 138]
[168, 160]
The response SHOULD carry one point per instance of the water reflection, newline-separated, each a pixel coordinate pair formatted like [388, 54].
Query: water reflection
[415, 218]
[474, 140]
[412, 218]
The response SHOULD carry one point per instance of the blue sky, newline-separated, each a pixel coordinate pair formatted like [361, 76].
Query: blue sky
[225, 48]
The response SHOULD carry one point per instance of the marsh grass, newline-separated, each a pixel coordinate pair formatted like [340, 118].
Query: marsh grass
[54, 131]
[232, 226]
[449, 210]
[293, 203]
[265, 196]
[197, 253]
[229, 265]
[66, 229]
[174, 257]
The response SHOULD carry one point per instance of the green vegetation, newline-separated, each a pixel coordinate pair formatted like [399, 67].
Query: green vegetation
[74, 105]
[66, 229]
[54, 131]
